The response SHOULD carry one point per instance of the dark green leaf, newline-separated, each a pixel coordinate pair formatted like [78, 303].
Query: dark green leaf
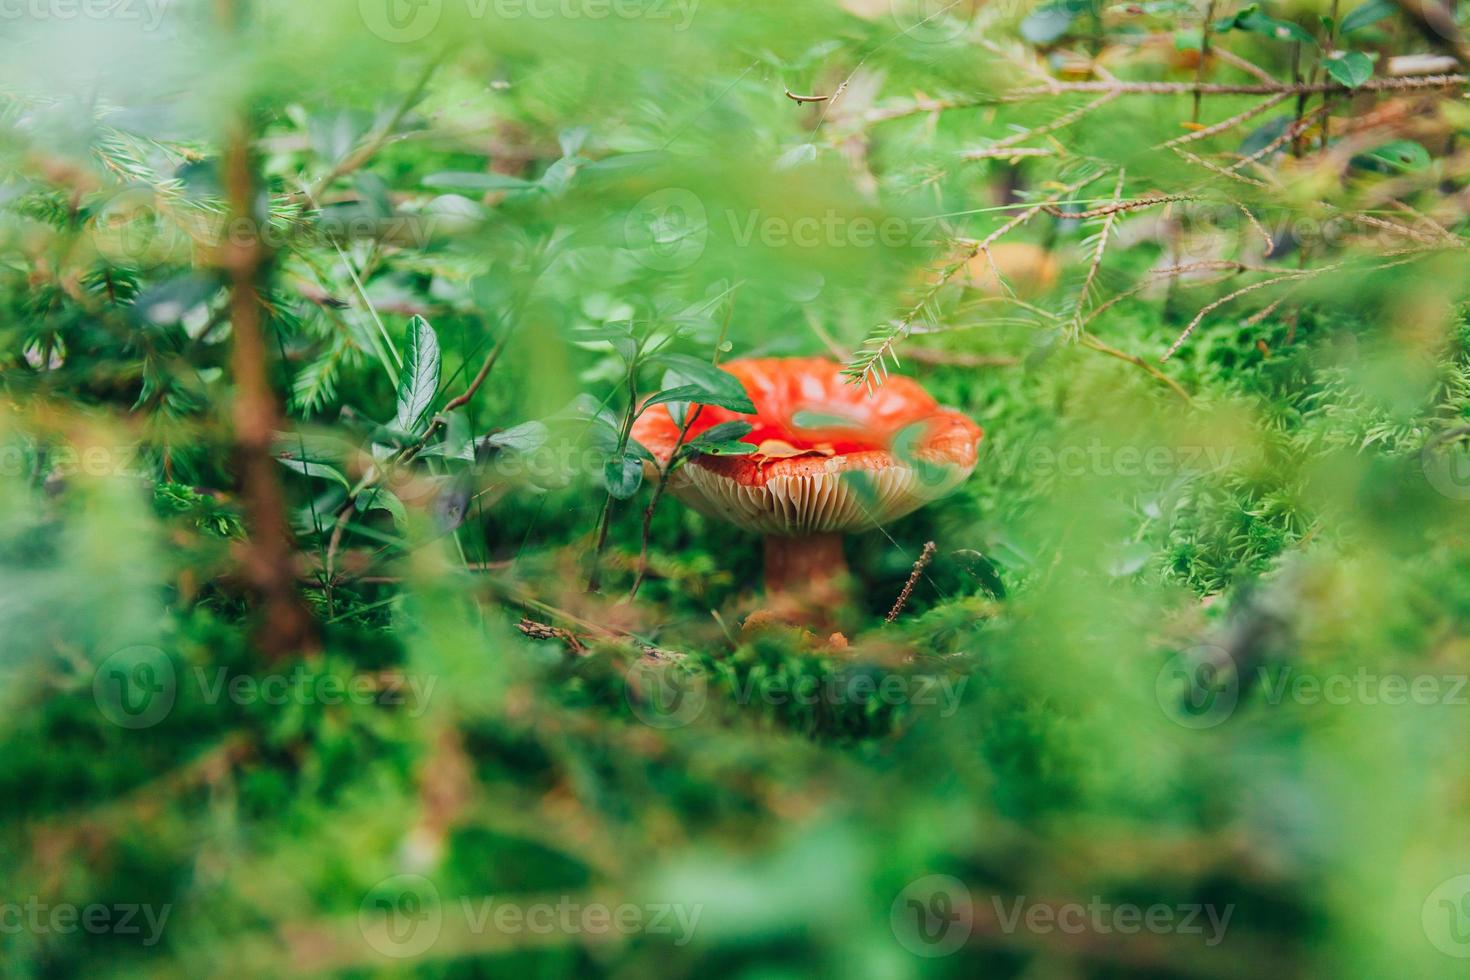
[729, 448]
[683, 393]
[320, 471]
[378, 498]
[1253, 20]
[724, 432]
[717, 386]
[623, 475]
[1369, 13]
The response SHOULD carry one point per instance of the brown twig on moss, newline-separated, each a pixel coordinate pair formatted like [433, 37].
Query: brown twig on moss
[541, 631]
[925, 557]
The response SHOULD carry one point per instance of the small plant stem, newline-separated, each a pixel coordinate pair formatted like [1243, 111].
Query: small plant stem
[604, 524]
[1204, 56]
[1301, 99]
[674, 460]
[1327, 96]
[653, 501]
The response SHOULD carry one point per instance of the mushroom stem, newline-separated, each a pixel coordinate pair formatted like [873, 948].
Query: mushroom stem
[805, 571]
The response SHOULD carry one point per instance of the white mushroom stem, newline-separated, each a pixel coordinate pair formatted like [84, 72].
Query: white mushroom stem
[807, 570]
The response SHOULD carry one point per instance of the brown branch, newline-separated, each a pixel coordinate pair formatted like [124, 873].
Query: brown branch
[284, 624]
[1408, 84]
[1116, 206]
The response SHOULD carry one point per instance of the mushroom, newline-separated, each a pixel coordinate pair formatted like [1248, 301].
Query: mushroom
[828, 457]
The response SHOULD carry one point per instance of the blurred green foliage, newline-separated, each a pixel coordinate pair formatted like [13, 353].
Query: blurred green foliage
[1193, 645]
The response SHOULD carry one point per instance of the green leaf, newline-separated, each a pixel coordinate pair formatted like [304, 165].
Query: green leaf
[1351, 68]
[724, 432]
[379, 498]
[524, 438]
[715, 385]
[477, 181]
[1369, 13]
[320, 471]
[418, 382]
[1396, 156]
[683, 393]
[602, 436]
[623, 475]
[620, 338]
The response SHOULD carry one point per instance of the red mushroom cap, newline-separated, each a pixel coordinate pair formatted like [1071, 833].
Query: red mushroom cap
[803, 478]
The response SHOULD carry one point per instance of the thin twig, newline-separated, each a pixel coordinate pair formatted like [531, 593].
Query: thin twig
[1117, 206]
[1061, 122]
[1097, 257]
[908, 587]
[1249, 67]
[872, 368]
[1211, 307]
[1225, 124]
[806, 98]
[376, 141]
[1091, 340]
